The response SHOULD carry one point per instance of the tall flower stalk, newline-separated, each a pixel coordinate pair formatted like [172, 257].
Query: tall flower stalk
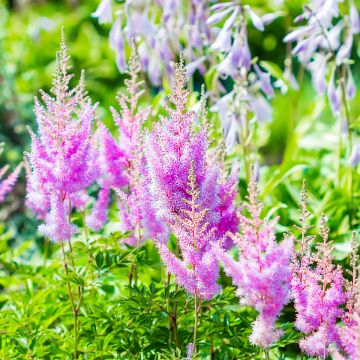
[317, 288]
[61, 161]
[262, 272]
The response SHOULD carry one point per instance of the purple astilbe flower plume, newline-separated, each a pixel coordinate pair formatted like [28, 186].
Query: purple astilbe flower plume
[263, 271]
[169, 150]
[349, 332]
[197, 272]
[121, 160]
[62, 151]
[7, 184]
[317, 288]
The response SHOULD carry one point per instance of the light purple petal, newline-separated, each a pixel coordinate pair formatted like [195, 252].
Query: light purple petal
[345, 49]
[255, 19]
[354, 19]
[103, 12]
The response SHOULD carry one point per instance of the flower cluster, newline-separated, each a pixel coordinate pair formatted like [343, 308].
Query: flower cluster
[62, 153]
[252, 88]
[120, 159]
[198, 270]
[318, 290]
[161, 38]
[349, 332]
[7, 184]
[170, 148]
[263, 271]
[319, 46]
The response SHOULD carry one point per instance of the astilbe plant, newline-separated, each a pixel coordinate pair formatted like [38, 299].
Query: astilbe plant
[7, 184]
[197, 270]
[317, 289]
[262, 272]
[170, 148]
[121, 159]
[349, 331]
[62, 152]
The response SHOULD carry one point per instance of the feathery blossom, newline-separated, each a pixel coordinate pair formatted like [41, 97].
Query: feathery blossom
[61, 153]
[263, 271]
[169, 150]
[121, 159]
[317, 289]
[349, 332]
[197, 271]
[7, 184]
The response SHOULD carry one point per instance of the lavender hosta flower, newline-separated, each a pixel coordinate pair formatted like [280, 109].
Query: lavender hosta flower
[265, 81]
[350, 85]
[318, 68]
[345, 49]
[355, 155]
[7, 184]
[260, 107]
[62, 151]
[263, 271]
[354, 18]
[197, 272]
[117, 42]
[104, 12]
[333, 94]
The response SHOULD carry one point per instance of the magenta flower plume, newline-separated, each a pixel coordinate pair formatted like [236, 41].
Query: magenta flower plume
[263, 271]
[349, 332]
[170, 148]
[197, 272]
[317, 288]
[61, 153]
[121, 159]
[110, 163]
[7, 184]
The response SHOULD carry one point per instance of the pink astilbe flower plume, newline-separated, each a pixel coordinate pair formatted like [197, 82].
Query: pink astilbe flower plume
[61, 153]
[7, 184]
[349, 332]
[318, 290]
[173, 144]
[122, 159]
[262, 272]
[197, 271]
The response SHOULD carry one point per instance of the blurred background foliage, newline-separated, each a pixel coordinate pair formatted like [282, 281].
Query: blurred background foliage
[299, 142]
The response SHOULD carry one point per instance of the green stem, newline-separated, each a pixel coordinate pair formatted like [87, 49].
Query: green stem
[195, 321]
[267, 354]
[347, 116]
[71, 297]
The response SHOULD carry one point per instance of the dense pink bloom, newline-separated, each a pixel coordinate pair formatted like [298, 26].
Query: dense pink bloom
[197, 271]
[318, 291]
[170, 148]
[7, 184]
[262, 272]
[121, 159]
[62, 154]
